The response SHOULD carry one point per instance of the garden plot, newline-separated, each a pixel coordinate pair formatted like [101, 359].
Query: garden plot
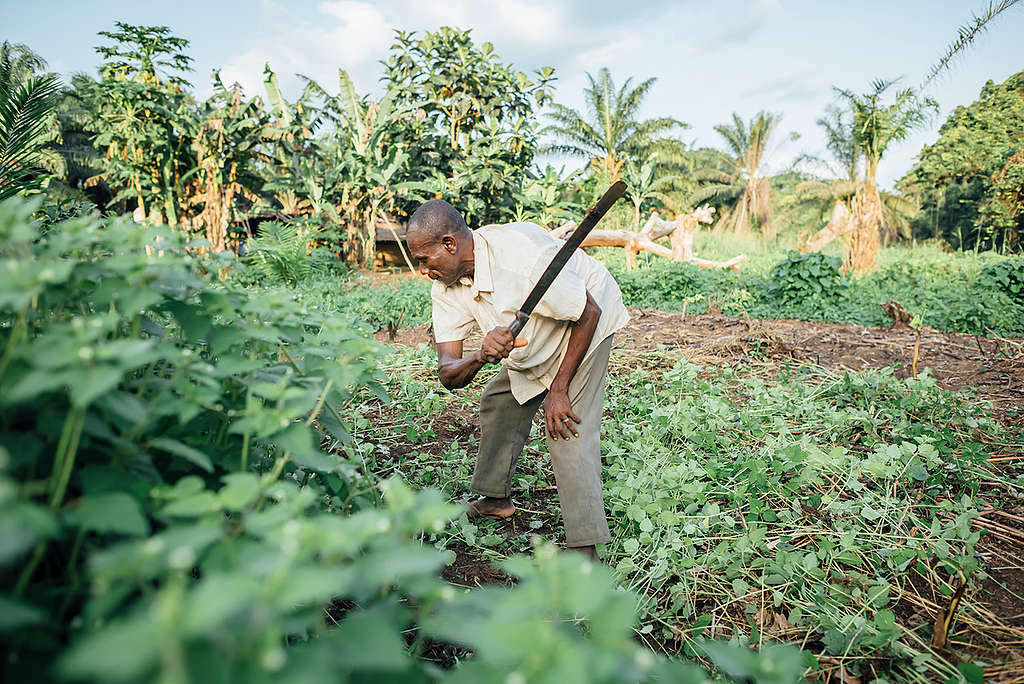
[774, 480]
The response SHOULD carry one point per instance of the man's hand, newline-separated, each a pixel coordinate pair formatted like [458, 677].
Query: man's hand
[498, 344]
[559, 416]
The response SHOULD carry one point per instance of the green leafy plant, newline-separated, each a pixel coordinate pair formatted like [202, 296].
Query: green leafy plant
[799, 277]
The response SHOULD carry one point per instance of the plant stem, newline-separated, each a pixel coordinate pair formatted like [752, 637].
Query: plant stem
[20, 326]
[66, 460]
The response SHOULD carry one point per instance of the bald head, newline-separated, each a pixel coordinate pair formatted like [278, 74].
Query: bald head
[434, 220]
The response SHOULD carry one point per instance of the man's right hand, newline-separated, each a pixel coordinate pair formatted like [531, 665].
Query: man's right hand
[497, 345]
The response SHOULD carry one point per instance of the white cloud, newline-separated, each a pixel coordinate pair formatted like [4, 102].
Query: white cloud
[355, 35]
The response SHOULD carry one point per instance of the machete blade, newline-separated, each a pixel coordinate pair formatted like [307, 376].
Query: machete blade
[594, 214]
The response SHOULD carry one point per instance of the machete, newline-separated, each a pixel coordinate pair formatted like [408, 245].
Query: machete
[594, 215]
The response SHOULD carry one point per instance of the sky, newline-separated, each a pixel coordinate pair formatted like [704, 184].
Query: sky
[710, 58]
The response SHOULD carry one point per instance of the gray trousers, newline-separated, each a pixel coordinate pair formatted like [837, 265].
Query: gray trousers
[505, 427]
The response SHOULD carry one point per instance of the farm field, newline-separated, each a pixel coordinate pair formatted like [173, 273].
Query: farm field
[772, 479]
[284, 287]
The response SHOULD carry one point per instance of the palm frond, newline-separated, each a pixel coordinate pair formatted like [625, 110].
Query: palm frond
[26, 125]
[966, 35]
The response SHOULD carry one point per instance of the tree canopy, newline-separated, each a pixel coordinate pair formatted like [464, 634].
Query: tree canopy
[969, 180]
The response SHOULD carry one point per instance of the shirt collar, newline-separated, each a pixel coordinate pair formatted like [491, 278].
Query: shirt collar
[482, 278]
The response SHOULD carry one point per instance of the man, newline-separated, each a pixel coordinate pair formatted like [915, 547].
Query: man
[481, 279]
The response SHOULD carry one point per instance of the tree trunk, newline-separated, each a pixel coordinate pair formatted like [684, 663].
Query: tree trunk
[867, 217]
[840, 224]
[680, 233]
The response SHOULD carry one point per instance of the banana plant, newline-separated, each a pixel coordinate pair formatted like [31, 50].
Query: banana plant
[290, 157]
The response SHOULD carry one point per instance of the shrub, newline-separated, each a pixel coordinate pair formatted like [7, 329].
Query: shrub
[800, 277]
[181, 499]
[1006, 276]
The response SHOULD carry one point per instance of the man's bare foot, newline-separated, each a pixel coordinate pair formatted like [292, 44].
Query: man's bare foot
[589, 551]
[490, 507]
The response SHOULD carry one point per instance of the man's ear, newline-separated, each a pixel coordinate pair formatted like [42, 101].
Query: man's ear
[450, 244]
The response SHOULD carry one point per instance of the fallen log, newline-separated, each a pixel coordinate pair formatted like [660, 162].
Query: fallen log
[840, 223]
[680, 233]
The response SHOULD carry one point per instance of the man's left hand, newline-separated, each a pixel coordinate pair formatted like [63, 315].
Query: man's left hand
[559, 416]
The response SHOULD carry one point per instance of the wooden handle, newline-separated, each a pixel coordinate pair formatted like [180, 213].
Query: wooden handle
[520, 342]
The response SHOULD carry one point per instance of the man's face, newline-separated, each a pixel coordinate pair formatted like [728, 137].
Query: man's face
[438, 260]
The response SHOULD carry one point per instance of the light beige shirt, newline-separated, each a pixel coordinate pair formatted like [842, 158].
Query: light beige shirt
[508, 260]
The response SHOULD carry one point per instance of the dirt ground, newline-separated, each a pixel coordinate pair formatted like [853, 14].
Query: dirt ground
[993, 368]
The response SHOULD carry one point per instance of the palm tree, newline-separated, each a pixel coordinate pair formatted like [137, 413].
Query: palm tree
[27, 103]
[839, 192]
[607, 131]
[875, 127]
[737, 182]
[643, 185]
[17, 64]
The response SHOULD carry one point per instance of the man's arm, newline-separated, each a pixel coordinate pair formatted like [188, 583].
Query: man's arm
[455, 371]
[557, 407]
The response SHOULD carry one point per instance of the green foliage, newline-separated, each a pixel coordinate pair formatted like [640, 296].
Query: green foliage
[969, 167]
[472, 134]
[608, 132]
[801, 277]
[1005, 277]
[184, 494]
[286, 253]
[26, 107]
[800, 508]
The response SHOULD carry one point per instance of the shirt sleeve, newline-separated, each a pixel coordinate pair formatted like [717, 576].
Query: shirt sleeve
[566, 299]
[451, 322]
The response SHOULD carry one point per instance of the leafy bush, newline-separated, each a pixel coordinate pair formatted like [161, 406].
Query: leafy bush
[1006, 277]
[181, 497]
[800, 277]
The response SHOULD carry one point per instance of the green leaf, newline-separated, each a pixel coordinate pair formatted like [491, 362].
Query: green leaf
[971, 672]
[194, 505]
[15, 615]
[217, 598]
[241, 490]
[115, 513]
[122, 651]
[86, 384]
[176, 448]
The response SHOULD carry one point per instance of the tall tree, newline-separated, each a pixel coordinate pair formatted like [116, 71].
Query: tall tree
[608, 131]
[876, 125]
[140, 112]
[473, 132]
[956, 177]
[737, 183]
